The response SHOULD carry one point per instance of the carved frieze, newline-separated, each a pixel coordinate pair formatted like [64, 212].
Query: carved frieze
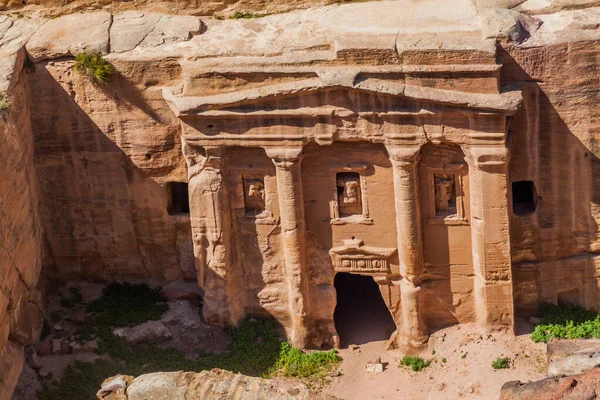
[354, 256]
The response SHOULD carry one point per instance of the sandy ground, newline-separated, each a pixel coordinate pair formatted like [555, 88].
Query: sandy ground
[467, 372]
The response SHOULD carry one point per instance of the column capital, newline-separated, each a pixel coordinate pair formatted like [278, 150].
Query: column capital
[486, 157]
[284, 157]
[404, 157]
[199, 158]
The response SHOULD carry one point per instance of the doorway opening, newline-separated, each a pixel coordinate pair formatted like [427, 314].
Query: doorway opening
[360, 315]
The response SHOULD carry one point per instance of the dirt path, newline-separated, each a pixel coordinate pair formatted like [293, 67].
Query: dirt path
[467, 372]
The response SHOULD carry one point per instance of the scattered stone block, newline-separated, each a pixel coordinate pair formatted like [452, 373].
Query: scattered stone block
[375, 366]
[571, 357]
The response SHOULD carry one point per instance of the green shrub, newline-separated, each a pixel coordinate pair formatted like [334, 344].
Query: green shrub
[94, 66]
[570, 322]
[5, 103]
[125, 304]
[415, 363]
[501, 363]
[294, 362]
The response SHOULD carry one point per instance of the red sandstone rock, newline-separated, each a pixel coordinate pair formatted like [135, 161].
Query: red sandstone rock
[585, 386]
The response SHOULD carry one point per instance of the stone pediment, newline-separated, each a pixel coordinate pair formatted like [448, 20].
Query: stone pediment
[265, 101]
[354, 256]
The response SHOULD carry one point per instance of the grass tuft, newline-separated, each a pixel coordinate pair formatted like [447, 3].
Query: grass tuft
[5, 103]
[501, 363]
[246, 15]
[94, 66]
[566, 321]
[415, 363]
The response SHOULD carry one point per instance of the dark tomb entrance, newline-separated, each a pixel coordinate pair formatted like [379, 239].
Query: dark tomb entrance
[360, 315]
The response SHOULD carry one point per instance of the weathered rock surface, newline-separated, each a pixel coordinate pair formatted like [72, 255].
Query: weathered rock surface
[585, 386]
[206, 385]
[570, 357]
[70, 35]
[148, 332]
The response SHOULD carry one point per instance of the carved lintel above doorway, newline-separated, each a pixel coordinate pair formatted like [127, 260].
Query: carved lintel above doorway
[354, 256]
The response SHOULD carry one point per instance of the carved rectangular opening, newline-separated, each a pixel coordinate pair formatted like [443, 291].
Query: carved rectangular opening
[445, 195]
[524, 198]
[349, 194]
[569, 298]
[254, 196]
[178, 198]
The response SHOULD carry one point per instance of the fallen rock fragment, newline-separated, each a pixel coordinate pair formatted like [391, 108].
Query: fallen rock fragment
[585, 386]
[148, 332]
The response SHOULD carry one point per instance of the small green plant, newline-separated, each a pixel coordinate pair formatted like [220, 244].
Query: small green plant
[501, 363]
[94, 66]
[566, 321]
[245, 15]
[294, 362]
[5, 103]
[444, 360]
[415, 363]
[433, 352]
[219, 17]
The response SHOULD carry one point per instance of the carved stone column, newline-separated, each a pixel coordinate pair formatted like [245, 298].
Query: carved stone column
[293, 231]
[488, 167]
[412, 330]
[211, 228]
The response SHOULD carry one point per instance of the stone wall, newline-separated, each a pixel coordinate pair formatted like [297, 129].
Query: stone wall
[103, 155]
[555, 144]
[20, 234]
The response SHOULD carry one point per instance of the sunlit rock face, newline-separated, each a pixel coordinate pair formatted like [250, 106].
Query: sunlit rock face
[449, 154]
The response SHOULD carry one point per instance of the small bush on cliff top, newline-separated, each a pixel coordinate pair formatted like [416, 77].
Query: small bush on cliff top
[568, 321]
[94, 66]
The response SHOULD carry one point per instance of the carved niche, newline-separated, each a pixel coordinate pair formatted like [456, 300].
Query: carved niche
[349, 204]
[354, 256]
[254, 196]
[445, 194]
[349, 194]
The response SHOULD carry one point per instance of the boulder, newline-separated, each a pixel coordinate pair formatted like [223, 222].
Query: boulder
[148, 332]
[205, 385]
[569, 357]
[70, 35]
[584, 386]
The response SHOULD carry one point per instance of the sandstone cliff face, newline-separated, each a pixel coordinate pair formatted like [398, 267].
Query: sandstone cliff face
[555, 144]
[87, 166]
[20, 233]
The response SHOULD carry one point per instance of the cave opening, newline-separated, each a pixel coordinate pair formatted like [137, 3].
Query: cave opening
[361, 315]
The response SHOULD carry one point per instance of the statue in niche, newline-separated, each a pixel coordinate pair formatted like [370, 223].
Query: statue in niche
[349, 194]
[445, 194]
[254, 196]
